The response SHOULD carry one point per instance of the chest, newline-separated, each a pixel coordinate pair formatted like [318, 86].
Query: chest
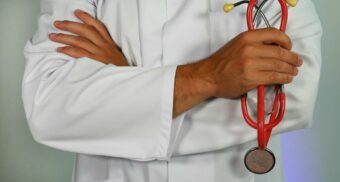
[168, 32]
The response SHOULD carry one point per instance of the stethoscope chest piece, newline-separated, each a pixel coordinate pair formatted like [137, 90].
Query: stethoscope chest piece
[259, 161]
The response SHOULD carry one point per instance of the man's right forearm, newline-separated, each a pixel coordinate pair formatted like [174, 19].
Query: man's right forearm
[238, 67]
[193, 85]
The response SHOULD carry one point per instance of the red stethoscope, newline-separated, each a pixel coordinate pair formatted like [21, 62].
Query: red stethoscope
[260, 160]
[279, 103]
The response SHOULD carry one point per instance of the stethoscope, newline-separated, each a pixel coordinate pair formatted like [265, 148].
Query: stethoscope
[260, 159]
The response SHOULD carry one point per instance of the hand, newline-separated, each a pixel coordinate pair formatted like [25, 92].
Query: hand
[250, 60]
[92, 40]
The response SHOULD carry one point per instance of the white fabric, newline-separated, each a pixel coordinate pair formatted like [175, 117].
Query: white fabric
[119, 119]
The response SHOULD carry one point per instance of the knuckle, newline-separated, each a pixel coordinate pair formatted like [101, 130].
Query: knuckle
[246, 76]
[60, 37]
[86, 16]
[87, 54]
[277, 32]
[289, 41]
[293, 70]
[108, 47]
[274, 31]
[244, 83]
[273, 77]
[66, 24]
[99, 23]
[247, 50]
[283, 78]
[247, 64]
[70, 48]
[67, 49]
[247, 81]
[80, 40]
[278, 65]
[287, 78]
[244, 36]
[243, 52]
[280, 52]
[92, 29]
[87, 26]
[73, 38]
[98, 51]
[296, 59]
[93, 56]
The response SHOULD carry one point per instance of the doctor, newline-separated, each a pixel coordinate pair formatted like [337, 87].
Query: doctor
[147, 91]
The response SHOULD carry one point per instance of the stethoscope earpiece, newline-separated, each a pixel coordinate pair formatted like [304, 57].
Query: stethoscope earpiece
[228, 7]
[292, 3]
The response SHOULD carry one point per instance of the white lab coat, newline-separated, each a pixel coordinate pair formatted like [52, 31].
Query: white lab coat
[119, 119]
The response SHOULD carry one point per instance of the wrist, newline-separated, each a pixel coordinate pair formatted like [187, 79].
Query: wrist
[198, 78]
[206, 76]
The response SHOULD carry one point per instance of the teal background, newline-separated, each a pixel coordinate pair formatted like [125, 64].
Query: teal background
[311, 155]
[21, 158]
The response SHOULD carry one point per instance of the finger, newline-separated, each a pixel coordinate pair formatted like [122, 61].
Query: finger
[74, 52]
[74, 41]
[272, 78]
[267, 36]
[81, 29]
[274, 65]
[97, 24]
[277, 52]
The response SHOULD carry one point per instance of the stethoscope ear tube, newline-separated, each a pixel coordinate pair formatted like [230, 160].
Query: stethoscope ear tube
[284, 15]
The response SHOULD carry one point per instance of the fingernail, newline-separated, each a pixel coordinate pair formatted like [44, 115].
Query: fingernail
[78, 11]
[57, 23]
[296, 71]
[300, 61]
[52, 35]
[59, 49]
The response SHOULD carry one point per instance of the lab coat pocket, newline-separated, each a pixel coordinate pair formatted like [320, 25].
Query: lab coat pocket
[225, 26]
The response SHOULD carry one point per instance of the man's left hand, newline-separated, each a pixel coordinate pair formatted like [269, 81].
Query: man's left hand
[91, 40]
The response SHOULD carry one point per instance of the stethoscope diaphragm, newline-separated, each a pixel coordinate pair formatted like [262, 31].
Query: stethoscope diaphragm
[259, 161]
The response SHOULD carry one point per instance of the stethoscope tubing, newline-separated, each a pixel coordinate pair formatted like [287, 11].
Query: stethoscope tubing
[279, 103]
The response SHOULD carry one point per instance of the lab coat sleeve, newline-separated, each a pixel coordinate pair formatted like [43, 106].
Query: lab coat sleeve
[304, 29]
[84, 106]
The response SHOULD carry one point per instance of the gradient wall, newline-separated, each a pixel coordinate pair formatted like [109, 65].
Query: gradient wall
[21, 159]
[311, 155]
